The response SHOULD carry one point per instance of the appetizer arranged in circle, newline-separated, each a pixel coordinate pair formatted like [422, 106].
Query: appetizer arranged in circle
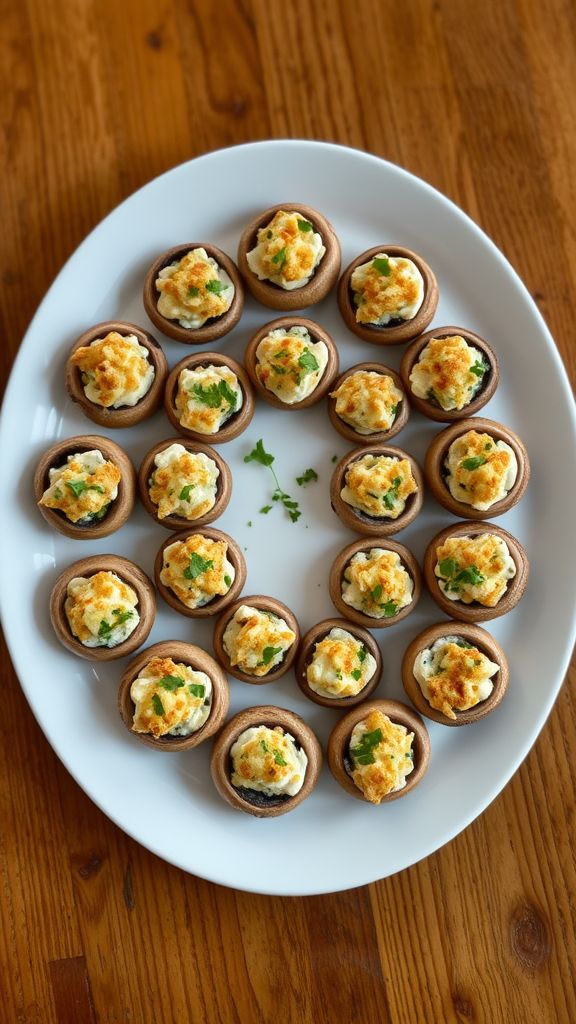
[173, 696]
[84, 487]
[266, 761]
[379, 751]
[368, 404]
[387, 295]
[449, 373]
[102, 607]
[339, 664]
[289, 256]
[116, 373]
[256, 639]
[477, 468]
[200, 573]
[375, 586]
[193, 293]
[455, 673]
[475, 571]
[378, 491]
[182, 483]
[209, 395]
[292, 362]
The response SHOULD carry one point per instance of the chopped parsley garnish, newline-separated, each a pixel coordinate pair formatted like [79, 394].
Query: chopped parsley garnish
[215, 394]
[280, 258]
[391, 496]
[473, 462]
[281, 370]
[390, 608]
[394, 409]
[363, 752]
[376, 593]
[448, 567]
[279, 759]
[171, 683]
[334, 458]
[185, 492]
[362, 654]
[307, 476]
[259, 454]
[479, 368]
[382, 265]
[193, 292]
[120, 618]
[281, 354]
[79, 486]
[450, 571]
[198, 565]
[228, 581]
[268, 234]
[308, 362]
[157, 704]
[269, 653]
[196, 689]
[265, 746]
[356, 674]
[216, 286]
[487, 446]
[266, 509]
[462, 643]
[305, 225]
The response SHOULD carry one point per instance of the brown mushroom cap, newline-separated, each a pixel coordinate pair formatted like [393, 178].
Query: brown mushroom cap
[395, 334]
[125, 416]
[223, 485]
[485, 643]
[438, 450]
[120, 509]
[306, 653]
[324, 277]
[378, 436]
[317, 333]
[482, 396]
[130, 574]
[218, 604]
[220, 767]
[337, 572]
[398, 713]
[359, 521]
[200, 661]
[262, 603]
[214, 328]
[236, 423]
[476, 612]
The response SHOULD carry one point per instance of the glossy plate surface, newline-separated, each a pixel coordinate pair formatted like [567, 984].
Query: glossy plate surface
[169, 803]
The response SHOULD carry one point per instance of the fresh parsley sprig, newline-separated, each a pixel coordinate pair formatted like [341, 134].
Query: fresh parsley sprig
[259, 454]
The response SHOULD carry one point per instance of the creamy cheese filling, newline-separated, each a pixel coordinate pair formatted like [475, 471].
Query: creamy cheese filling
[197, 570]
[194, 289]
[116, 370]
[381, 755]
[379, 485]
[474, 568]
[341, 666]
[207, 397]
[368, 401]
[287, 252]
[268, 761]
[376, 583]
[453, 675]
[448, 373]
[101, 609]
[480, 469]
[83, 487]
[290, 364]
[386, 289]
[184, 483]
[171, 699]
[256, 641]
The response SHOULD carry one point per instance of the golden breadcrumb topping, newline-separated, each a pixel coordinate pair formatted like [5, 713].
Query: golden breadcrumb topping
[376, 583]
[368, 401]
[379, 485]
[83, 488]
[197, 569]
[256, 641]
[449, 372]
[170, 698]
[387, 288]
[474, 568]
[288, 250]
[98, 605]
[481, 469]
[461, 679]
[381, 753]
[194, 288]
[115, 370]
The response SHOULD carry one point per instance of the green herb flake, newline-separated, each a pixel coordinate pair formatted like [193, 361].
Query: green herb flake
[196, 689]
[216, 286]
[356, 674]
[185, 492]
[473, 462]
[269, 653]
[382, 265]
[487, 446]
[376, 593]
[268, 234]
[258, 454]
[193, 292]
[171, 683]
[215, 394]
[479, 368]
[362, 653]
[308, 362]
[266, 509]
[228, 581]
[334, 458]
[157, 704]
[305, 225]
[265, 746]
[363, 752]
[307, 476]
[279, 759]
[390, 608]
[448, 567]
[280, 258]
[198, 566]
[471, 574]
[79, 486]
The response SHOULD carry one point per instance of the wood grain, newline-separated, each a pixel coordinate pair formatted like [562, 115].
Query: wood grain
[96, 99]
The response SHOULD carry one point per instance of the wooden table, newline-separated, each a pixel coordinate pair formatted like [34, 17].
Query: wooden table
[96, 99]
